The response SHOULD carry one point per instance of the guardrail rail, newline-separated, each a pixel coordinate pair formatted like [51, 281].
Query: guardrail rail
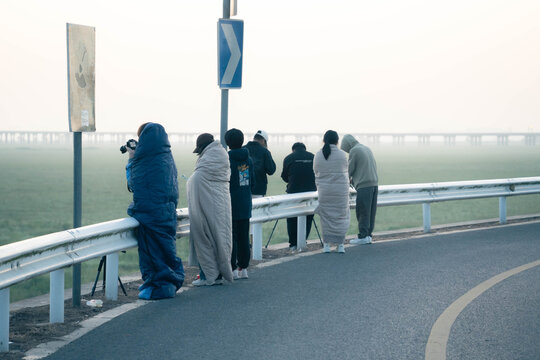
[52, 253]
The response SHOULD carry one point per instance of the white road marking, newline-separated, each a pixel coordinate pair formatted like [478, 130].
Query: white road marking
[46, 349]
[438, 338]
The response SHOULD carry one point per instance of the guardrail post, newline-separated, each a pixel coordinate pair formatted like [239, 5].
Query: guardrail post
[301, 233]
[56, 305]
[257, 241]
[502, 209]
[426, 211]
[4, 320]
[111, 277]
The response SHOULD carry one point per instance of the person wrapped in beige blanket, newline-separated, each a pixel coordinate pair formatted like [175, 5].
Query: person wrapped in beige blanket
[332, 180]
[209, 206]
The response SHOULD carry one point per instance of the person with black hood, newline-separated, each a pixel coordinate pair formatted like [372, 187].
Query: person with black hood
[363, 173]
[299, 176]
[262, 162]
[241, 183]
[152, 178]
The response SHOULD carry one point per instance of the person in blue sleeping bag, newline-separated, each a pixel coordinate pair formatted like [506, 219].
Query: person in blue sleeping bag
[152, 178]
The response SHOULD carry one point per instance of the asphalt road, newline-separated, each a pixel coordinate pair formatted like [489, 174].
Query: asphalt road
[377, 301]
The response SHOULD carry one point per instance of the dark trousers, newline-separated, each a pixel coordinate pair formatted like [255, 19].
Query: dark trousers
[366, 209]
[292, 229]
[241, 252]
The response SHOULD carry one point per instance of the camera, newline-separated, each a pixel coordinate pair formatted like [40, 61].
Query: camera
[131, 143]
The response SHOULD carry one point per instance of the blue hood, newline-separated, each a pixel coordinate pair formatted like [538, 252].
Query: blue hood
[152, 141]
[153, 176]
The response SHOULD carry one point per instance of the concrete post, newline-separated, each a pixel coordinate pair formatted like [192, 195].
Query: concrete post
[301, 233]
[257, 241]
[502, 209]
[56, 302]
[111, 277]
[4, 320]
[426, 210]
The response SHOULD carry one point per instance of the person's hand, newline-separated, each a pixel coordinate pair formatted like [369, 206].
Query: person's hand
[131, 152]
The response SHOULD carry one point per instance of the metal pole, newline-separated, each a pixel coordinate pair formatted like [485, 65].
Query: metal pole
[77, 210]
[56, 301]
[4, 320]
[225, 92]
[426, 207]
[272, 233]
[318, 233]
[502, 209]
[226, 9]
[224, 116]
[111, 277]
[301, 242]
[257, 240]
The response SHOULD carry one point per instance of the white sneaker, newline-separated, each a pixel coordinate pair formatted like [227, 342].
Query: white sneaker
[362, 241]
[243, 274]
[370, 240]
[341, 249]
[292, 248]
[326, 248]
[199, 282]
[235, 274]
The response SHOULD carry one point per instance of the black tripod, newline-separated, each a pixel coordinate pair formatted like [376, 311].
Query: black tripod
[103, 264]
[274, 228]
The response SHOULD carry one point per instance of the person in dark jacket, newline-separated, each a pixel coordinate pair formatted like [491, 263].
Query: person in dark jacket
[240, 187]
[262, 162]
[298, 174]
[152, 177]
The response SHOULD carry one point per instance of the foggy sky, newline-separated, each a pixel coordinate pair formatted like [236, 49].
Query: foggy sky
[350, 65]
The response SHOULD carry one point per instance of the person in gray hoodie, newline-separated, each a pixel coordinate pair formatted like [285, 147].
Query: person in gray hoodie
[363, 176]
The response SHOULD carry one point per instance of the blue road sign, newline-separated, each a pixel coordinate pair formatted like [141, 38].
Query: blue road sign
[230, 45]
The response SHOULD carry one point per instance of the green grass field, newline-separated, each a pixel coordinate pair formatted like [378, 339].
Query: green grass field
[36, 186]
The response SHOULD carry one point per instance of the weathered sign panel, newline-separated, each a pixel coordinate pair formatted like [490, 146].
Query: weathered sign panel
[81, 49]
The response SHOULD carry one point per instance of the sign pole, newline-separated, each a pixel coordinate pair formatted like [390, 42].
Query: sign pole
[225, 92]
[224, 116]
[81, 62]
[77, 210]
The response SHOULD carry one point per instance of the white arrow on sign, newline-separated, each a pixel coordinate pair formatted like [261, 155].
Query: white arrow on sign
[235, 53]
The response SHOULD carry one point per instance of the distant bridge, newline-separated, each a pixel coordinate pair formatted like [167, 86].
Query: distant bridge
[448, 138]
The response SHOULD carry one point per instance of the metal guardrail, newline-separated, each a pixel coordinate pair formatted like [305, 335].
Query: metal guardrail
[53, 252]
[283, 206]
[26, 259]
[456, 190]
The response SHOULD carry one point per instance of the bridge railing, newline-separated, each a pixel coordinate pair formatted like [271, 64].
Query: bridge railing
[52, 253]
